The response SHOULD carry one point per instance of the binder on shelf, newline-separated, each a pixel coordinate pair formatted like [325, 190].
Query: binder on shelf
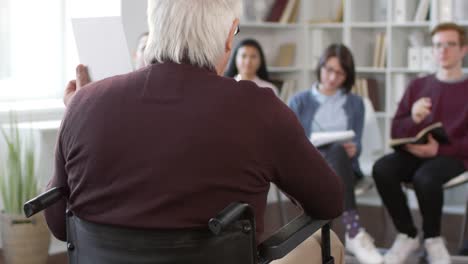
[427, 61]
[446, 11]
[414, 58]
[404, 10]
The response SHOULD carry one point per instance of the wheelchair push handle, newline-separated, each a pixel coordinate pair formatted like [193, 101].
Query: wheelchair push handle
[229, 215]
[43, 201]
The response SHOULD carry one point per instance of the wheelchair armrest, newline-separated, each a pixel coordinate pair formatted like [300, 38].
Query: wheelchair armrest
[290, 236]
[230, 214]
[42, 201]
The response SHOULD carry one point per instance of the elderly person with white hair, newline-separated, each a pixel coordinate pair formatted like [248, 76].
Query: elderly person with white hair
[152, 148]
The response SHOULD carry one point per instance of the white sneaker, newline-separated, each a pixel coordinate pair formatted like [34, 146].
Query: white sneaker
[436, 251]
[402, 247]
[363, 248]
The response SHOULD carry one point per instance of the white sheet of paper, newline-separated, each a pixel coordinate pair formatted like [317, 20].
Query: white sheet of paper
[102, 46]
[323, 138]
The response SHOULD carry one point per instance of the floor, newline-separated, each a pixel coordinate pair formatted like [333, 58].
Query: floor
[374, 219]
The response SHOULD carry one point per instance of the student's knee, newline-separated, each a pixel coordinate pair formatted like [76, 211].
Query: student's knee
[338, 151]
[422, 181]
[383, 171]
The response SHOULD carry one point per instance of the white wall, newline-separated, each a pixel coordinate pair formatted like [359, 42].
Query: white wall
[134, 20]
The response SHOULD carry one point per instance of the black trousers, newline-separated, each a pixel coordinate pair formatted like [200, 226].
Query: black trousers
[427, 177]
[339, 161]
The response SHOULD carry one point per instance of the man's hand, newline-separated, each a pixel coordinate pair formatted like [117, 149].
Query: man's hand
[350, 149]
[427, 150]
[82, 79]
[421, 109]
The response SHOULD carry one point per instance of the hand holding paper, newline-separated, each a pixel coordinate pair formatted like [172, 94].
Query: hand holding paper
[82, 79]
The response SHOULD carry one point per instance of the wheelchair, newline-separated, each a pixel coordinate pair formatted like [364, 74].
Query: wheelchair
[228, 238]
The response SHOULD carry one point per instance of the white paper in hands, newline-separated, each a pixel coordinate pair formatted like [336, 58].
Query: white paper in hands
[323, 138]
[102, 46]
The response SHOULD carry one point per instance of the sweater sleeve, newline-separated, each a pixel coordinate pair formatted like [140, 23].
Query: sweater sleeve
[55, 214]
[403, 124]
[457, 148]
[301, 171]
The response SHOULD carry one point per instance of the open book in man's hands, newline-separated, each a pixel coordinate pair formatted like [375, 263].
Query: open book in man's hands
[436, 130]
[319, 139]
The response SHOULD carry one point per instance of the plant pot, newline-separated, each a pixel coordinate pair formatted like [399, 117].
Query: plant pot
[25, 240]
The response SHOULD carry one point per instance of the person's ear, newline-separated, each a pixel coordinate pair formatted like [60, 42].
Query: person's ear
[465, 50]
[230, 39]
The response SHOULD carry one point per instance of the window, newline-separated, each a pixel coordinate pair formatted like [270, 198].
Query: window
[37, 50]
[4, 40]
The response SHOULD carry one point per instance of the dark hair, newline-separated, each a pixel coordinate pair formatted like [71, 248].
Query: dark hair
[451, 26]
[344, 56]
[232, 70]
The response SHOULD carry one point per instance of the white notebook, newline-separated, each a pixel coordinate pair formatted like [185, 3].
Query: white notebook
[323, 138]
[102, 46]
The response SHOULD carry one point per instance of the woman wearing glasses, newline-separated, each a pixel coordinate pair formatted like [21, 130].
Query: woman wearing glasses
[248, 63]
[329, 106]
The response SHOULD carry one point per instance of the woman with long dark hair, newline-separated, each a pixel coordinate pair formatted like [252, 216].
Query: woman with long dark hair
[329, 106]
[248, 63]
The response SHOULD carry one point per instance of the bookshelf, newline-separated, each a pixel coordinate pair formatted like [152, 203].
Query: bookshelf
[361, 21]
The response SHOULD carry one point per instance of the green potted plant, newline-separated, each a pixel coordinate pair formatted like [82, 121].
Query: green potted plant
[24, 240]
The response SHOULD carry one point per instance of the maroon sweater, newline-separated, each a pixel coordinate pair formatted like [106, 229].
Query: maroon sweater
[449, 106]
[171, 145]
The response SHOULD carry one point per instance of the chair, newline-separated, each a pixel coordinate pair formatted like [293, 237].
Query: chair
[454, 182]
[230, 236]
[371, 145]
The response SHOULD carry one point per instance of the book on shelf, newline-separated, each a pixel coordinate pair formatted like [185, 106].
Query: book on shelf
[319, 139]
[287, 12]
[368, 88]
[331, 11]
[287, 89]
[422, 11]
[284, 11]
[436, 130]
[294, 17]
[276, 10]
[286, 55]
[380, 50]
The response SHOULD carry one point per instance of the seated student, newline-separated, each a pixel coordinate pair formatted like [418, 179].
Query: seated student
[329, 106]
[248, 63]
[134, 148]
[440, 97]
[139, 59]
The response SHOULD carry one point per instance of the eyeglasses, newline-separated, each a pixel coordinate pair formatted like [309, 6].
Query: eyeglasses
[330, 70]
[237, 30]
[447, 45]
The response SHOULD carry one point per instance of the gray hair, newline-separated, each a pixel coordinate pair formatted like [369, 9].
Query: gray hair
[194, 30]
